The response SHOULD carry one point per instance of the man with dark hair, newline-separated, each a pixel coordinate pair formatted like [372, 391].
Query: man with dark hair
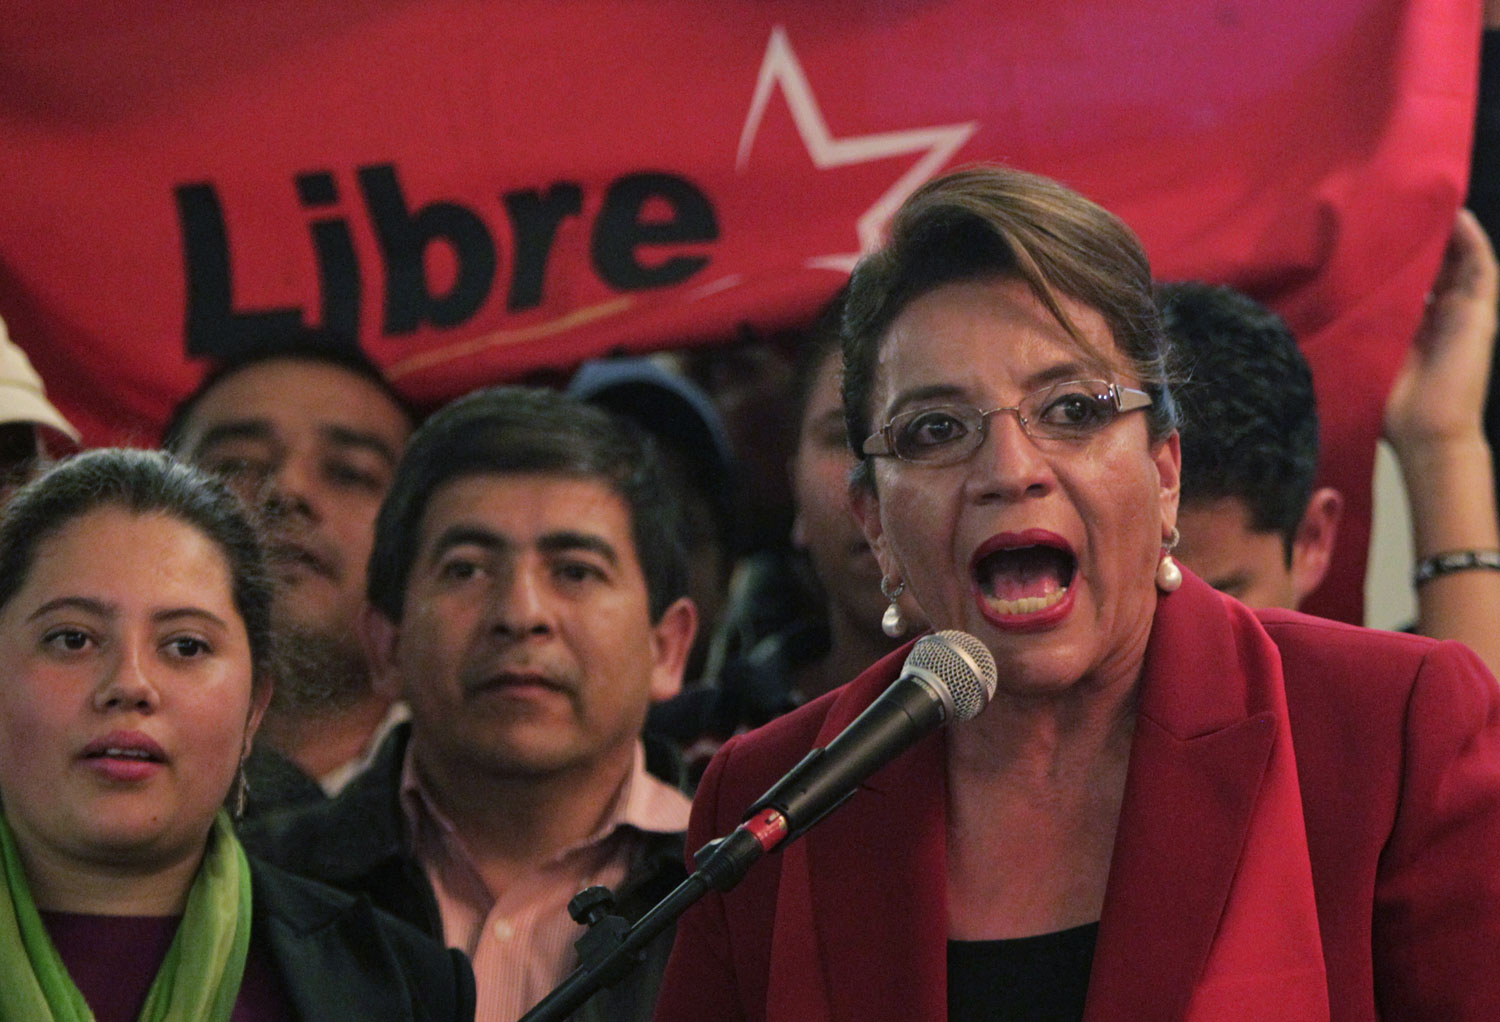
[690, 435]
[1252, 523]
[309, 434]
[527, 600]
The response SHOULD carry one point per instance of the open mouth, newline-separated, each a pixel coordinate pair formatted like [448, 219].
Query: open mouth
[115, 752]
[126, 746]
[1025, 579]
[124, 757]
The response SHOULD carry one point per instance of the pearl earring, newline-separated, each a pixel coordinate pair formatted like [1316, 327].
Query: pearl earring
[1168, 574]
[891, 622]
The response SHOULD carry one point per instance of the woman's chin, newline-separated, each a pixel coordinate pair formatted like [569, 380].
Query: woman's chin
[141, 832]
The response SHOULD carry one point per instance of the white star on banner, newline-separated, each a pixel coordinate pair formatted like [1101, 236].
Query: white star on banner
[781, 67]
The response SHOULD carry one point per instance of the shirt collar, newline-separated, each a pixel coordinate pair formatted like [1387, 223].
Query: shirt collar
[644, 803]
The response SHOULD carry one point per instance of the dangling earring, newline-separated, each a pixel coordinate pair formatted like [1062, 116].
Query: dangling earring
[241, 788]
[1168, 574]
[891, 622]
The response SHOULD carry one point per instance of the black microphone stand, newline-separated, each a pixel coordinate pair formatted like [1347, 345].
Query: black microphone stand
[612, 947]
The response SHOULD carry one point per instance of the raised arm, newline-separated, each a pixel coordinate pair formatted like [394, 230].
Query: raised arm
[1434, 421]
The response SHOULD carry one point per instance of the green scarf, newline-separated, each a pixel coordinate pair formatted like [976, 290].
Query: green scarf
[198, 980]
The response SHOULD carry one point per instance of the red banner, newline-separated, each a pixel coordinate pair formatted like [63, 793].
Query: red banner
[475, 188]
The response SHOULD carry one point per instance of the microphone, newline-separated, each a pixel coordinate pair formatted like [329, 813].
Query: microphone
[949, 675]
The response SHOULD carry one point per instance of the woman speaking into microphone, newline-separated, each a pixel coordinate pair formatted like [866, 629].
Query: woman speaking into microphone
[1173, 808]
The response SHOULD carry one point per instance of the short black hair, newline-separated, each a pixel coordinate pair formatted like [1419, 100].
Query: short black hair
[516, 430]
[315, 346]
[143, 483]
[1250, 419]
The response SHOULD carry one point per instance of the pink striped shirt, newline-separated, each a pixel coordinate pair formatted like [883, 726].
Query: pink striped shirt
[521, 943]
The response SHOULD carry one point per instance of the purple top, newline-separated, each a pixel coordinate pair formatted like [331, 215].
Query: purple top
[113, 960]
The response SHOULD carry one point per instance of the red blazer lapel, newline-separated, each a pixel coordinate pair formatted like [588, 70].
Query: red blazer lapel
[874, 870]
[1187, 808]
[1210, 882]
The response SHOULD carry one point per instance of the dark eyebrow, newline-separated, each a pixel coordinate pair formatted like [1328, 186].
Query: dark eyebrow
[83, 603]
[195, 613]
[1062, 372]
[238, 429]
[564, 542]
[343, 436]
[551, 543]
[927, 393]
[100, 608]
[466, 535]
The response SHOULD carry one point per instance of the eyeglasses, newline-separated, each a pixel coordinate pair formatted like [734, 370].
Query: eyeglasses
[947, 434]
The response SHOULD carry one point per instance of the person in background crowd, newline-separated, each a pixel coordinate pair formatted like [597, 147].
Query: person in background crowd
[859, 627]
[1173, 807]
[797, 624]
[1253, 525]
[1434, 422]
[135, 630]
[527, 591]
[310, 436]
[31, 430]
[749, 378]
[699, 463]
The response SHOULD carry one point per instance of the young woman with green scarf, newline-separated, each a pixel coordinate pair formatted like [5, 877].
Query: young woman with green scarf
[134, 650]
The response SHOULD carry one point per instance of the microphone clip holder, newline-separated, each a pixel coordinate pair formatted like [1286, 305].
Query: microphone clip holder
[611, 946]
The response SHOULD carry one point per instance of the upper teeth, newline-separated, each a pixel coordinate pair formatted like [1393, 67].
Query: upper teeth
[130, 753]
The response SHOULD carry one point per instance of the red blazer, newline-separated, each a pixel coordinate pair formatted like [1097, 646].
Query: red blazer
[1396, 740]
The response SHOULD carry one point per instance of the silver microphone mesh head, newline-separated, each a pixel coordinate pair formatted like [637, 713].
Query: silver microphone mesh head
[963, 664]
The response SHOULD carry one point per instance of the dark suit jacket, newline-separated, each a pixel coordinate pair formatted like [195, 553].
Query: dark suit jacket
[274, 782]
[357, 842]
[1397, 756]
[340, 959]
